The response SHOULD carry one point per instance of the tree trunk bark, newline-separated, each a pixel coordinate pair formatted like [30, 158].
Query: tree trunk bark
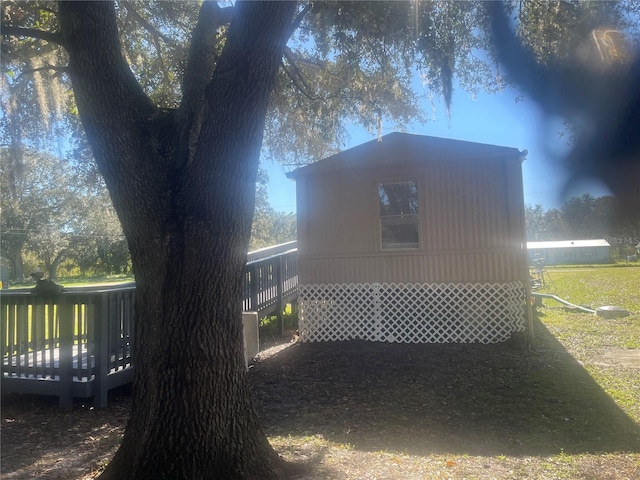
[186, 210]
[192, 414]
[52, 268]
[17, 266]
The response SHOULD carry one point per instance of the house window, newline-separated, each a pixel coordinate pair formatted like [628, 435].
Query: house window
[399, 215]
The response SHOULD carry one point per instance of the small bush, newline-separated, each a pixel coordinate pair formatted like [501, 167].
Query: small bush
[269, 324]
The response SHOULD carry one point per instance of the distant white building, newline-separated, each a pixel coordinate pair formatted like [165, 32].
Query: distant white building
[563, 252]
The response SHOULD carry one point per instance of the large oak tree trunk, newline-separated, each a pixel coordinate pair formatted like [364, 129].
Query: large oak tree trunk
[192, 414]
[183, 185]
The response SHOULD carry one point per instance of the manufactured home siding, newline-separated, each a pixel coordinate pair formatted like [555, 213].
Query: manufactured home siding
[339, 210]
[465, 278]
[467, 232]
[414, 268]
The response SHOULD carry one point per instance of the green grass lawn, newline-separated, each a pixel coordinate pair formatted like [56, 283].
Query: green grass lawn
[589, 338]
[598, 286]
[81, 281]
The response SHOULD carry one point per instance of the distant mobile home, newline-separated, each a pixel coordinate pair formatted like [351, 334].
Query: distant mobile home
[569, 252]
[412, 239]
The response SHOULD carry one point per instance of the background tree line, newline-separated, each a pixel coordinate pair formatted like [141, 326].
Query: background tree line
[586, 217]
[58, 218]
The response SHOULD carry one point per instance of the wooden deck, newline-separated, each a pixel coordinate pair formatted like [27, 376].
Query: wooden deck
[80, 344]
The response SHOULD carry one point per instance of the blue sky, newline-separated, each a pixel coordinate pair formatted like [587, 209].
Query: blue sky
[495, 119]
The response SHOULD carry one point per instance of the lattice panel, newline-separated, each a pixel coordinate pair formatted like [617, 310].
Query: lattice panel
[411, 313]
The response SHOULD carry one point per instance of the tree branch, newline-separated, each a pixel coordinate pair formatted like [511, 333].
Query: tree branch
[92, 40]
[297, 78]
[11, 31]
[300, 88]
[201, 64]
[294, 56]
[298, 19]
[55, 68]
[21, 54]
[238, 98]
[110, 100]
[202, 56]
[146, 24]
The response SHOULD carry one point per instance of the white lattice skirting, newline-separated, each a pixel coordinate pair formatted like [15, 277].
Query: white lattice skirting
[411, 313]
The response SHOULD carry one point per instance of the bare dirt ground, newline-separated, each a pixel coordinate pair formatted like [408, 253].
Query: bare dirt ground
[358, 410]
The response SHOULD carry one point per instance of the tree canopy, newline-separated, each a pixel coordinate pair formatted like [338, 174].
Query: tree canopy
[346, 64]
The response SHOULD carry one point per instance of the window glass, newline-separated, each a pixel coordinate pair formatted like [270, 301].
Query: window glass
[399, 215]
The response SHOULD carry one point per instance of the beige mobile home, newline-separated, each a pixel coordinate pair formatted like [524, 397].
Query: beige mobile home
[412, 239]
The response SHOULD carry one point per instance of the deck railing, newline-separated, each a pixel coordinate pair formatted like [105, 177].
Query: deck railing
[80, 342]
[271, 251]
[271, 282]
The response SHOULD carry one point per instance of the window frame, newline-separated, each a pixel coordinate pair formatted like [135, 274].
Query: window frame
[398, 247]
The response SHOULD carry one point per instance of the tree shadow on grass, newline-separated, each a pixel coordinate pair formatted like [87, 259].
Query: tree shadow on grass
[435, 399]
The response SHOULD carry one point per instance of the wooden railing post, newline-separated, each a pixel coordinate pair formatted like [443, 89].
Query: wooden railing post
[23, 336]
[8, 347]
[278, 273]
[253, 286]
[101, 337]
[65, 371]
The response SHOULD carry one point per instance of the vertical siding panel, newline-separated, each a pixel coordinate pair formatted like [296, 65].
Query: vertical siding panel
[492, 267]
[464, 230]
[496, 208]
[437, 182]
[506, 236]
[469, 231]
[491, 209]
[446, 209]
[439, 272]
[456, 200]
[482, 224]
[427, 209]
[479, 265]
[474, 215]
[477, 261]
[487, 209]
[458, 267]
[473, 219]
[447, 221]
